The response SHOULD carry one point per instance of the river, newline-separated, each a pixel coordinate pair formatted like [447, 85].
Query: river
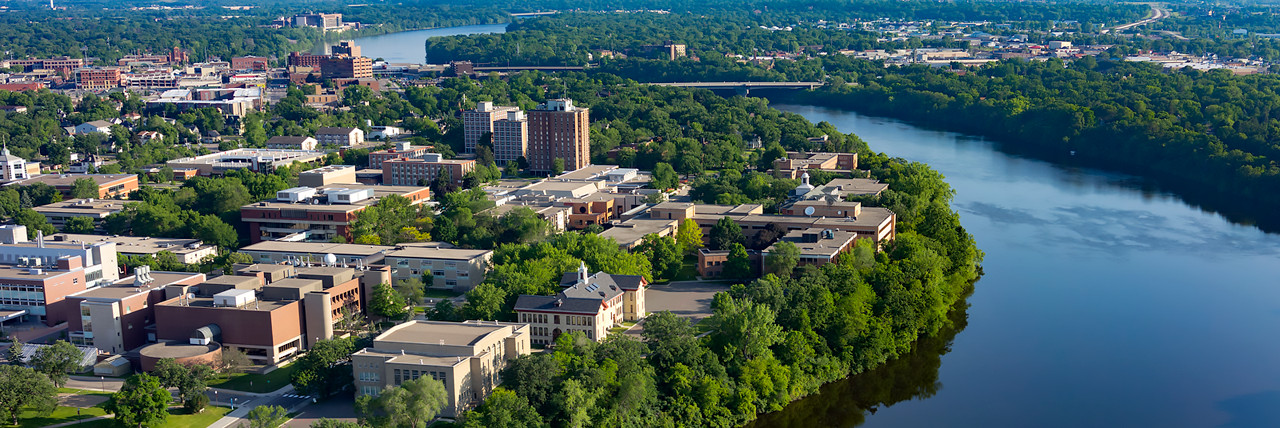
[410, 46]
[1102, 304]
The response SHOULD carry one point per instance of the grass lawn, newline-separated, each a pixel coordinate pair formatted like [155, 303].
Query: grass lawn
[249, 382]
[688, 270]
[83, 392]
[435, 293]
[29, 419]
[178, 418]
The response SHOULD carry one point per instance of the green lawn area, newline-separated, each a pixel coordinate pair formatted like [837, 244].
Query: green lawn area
[83, 392]
[249, 382]
[436, 293]
[688, 270]
[29, 419]
[177, 419]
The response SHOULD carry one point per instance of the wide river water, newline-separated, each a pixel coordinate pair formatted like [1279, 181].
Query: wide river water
[1102, 304]
[410, 46]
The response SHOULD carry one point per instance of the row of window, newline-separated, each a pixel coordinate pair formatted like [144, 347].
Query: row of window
[407, 375]
[369, 377]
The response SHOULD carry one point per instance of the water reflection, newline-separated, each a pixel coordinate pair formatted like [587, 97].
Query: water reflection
[847, 403]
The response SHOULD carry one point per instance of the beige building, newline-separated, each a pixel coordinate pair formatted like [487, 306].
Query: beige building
[587, 304]
[189, 251]
[510, 137]
[664, 219]
[476, 123]
[96, 209]
[341, 137]
[292, 142]
[466, 357]
[455, 268]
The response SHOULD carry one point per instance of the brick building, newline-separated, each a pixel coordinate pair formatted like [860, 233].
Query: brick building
[412, 172]
[559, 130]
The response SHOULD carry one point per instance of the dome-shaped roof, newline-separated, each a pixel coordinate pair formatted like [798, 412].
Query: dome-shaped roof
[330, 259]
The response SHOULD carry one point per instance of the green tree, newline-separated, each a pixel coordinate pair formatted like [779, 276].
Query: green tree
[56, 360]
[267, 417]
[413, 404]
[14, 352]
[325, 369]
[411, 290]
[739, 263]
[78, 225]
[334, 423]
[503, 409]
[742, 330]
[783, 258]
[233, 359]
[557, 167]
[664, 255]
[24, 388]
[689, 236]
[141, 402]
[725, 233]
[84, 188]
[664, 177]
[387, 302]
[34, 221]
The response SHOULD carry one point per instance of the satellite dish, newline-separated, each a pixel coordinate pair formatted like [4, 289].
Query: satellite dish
[330, 259]
[808, 210]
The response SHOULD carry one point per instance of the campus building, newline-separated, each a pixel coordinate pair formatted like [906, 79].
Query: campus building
[16, 168]
[475, 123]
[664, 219]
[341, 137]
[95, 209]
[466, 357]
[796, 163]
[452, 268]
[256, 160]
[270, 312]
[187, 250]
[292, 143]
[559, 130]
[318, 214]
[590, 304]
[399, 151]
[120, 316]
[109, 185]
[36, 277]
[423, 170]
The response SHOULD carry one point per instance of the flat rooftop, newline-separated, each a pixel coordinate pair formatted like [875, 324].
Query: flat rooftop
[317, 248]
[854, 186]
[207, 302]
[437, 253]
[825, 247]
[68, 180]
[433, 332]
[587, 172]
[82, 207]
[125, 288]
[134, 244]
[272, 155]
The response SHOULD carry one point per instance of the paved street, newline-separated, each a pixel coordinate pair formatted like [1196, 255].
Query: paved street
[689, 299]
[341, 407]
[94, 383]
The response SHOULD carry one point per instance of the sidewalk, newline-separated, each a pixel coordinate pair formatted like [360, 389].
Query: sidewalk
[242, 408]
[80, 421]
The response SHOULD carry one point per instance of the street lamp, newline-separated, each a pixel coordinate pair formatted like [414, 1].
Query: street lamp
[103, 379]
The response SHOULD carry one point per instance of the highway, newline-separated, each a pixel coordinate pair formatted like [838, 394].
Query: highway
[1158, 13]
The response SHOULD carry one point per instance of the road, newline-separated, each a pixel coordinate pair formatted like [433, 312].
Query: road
[1158, 13]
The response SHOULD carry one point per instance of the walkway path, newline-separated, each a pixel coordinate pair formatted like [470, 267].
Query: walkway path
[80, 421]
[283, 397]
